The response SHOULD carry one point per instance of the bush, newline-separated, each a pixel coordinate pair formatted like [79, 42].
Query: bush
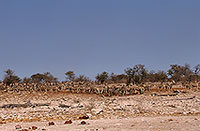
[10, 77]
[70, 76]
[102, 77]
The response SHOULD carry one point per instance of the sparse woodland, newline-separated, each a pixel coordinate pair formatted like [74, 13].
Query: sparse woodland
[135, 80]
[133, 75]
[137, 92]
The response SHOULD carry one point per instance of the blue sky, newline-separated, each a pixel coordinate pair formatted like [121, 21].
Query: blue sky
[89, 36]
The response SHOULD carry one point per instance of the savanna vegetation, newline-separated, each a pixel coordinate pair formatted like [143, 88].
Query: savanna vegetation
[132, 75]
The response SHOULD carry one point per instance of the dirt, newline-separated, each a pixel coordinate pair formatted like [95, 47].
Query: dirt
[160, 123]
[150, 111]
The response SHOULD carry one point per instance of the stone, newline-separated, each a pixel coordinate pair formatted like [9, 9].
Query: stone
[51, 123]
[68, 122]
[64, 106]
[24, 130]
[84, 117]
[97, 111]
[83, 122]
[170, 119]
[18, 127]
[2, 122]
[34, 127]
[176, 91]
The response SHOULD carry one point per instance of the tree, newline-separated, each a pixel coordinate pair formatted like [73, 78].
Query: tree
[82, 78]
[140, 73]
[130, 75]
[187, 72]
[137, 74]
[159, 76]
[151, 76]
[27, 80]
[37, 78]
[70, 76]
[117, 78]
[10, 77]
[102, 77]
[45, 77]
[180, 73]
[48, 77]
[196, 74]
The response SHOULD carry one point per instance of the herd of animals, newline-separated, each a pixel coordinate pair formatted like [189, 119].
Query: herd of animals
[119, 89]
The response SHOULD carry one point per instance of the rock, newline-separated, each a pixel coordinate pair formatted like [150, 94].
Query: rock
[184, 113]
[84, 117]
[77, 105]
[88, 114]
[176, 91]
[170, 119]
[63, 106]
[24, 130]
[68, 122]
[34, 127]
[118, 108]
[51, 123]
[18, 127]
[2, 122]
[153, 94]
[83, 122]
[97, 111]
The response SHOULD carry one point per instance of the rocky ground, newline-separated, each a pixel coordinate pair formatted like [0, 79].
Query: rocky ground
[171, 110]
[159, 123]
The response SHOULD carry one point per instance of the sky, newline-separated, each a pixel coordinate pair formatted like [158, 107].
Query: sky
[90, 36]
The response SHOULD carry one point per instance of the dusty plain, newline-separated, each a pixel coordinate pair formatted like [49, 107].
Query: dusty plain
[153, 110]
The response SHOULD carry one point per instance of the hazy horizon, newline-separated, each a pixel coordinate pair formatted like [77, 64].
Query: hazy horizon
[90, 37]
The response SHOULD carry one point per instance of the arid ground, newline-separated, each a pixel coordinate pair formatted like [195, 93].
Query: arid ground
[171, 110]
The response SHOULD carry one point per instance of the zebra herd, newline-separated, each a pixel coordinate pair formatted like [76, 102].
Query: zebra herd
[119, 89]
